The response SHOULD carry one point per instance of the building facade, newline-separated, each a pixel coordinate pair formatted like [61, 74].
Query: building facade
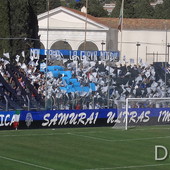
[71, 29]
[141, 40]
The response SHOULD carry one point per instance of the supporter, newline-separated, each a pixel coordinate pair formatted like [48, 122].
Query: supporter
[119, 81]
[78, 106]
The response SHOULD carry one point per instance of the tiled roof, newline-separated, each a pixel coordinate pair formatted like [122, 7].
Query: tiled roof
[129, 23]
[138, 23]
[95, 19]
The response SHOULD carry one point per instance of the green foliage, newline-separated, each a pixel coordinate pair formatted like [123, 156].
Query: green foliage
[128, 8]
[163, 10]
[96, 9]
[116, 11]
[143, 9]
[76, 5]
[54, 4]
[18, 21]
[4, 25]
[42, 5]
[22, 24]
[128, 11]
[158, 11]
[134, 9]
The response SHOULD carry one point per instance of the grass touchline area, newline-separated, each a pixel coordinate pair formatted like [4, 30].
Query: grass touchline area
[83, 148]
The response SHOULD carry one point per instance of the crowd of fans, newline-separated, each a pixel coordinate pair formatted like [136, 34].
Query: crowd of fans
[114, 82]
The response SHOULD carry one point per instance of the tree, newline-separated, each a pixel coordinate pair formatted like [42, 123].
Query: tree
[42, 5]
[76, 5]
[4, 25]
[134, 9]
[96, 9]
[33, 23]
[158, 11]
[162, 11]
[143, 9]
[128, 11]
[54, 4]
[23, 24]
[116, 11]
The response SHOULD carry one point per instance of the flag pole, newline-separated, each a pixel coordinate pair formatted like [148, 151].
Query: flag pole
[85, 36]
[47, 55]
[120, 27]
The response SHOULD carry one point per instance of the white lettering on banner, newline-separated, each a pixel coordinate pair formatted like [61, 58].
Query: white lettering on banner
[88, 55]
[81, 119]
[55, 55]
[45, 118]
[63, 118]
[2, 120]
[141, 117]
[76, 55]
[164, 116]
[159, 117]
[54, 120]
[73, 117]
[66, 118]
[121, 117]
[73, 57]
[35, 53]
[144, 117]
[132, 117]
[147, 113]
[6, 120]
[111, 117]
[92, 118]
[107, 55]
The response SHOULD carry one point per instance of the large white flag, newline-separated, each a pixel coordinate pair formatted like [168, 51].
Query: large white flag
[6, 55]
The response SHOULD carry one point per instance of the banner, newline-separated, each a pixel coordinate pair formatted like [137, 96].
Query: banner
[8, 118]
[76, 55]
[65, 118]
[144, 116]
[84, 118]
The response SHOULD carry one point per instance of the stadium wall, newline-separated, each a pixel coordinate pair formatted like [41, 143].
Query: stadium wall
[82, 118]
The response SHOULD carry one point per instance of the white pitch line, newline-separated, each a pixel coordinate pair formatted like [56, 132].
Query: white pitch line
[127, 167]
[43, 134]
[156, 128]
[26, 163]
[28, 135]
[119, 140]
[85, 136]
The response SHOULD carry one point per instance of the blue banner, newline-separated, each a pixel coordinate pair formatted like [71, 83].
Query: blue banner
[87, 117]
[77, 118]
[76, 55]
[65, 117]
[145, 115]
[8, 118]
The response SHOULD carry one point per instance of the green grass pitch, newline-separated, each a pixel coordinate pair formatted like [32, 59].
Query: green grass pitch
[99, 148]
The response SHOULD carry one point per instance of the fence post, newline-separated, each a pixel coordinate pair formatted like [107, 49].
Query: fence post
[28, 102]
[6, 100]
